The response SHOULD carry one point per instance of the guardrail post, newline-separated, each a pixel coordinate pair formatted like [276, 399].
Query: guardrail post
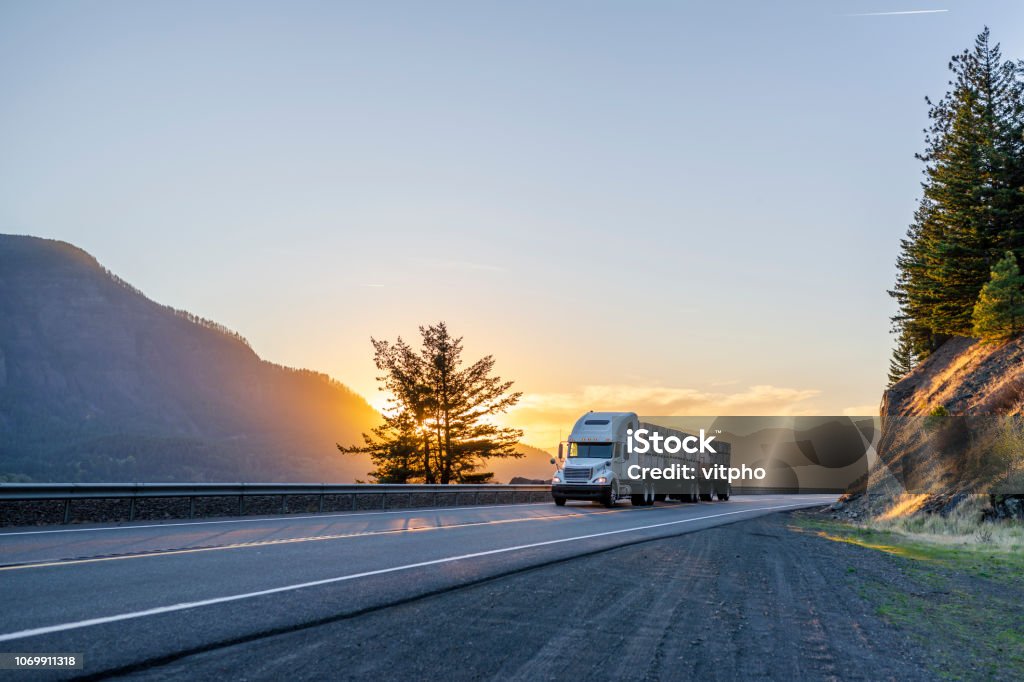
[321, 509]
[283, 498]
[131, 509]
[241, 505]
[191, 507]
[67, 511]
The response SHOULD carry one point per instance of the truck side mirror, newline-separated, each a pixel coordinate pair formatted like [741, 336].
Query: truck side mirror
[552, 460]
[561, 451]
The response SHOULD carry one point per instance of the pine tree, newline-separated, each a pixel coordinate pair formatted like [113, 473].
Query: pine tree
[915, 287]
[904, 358]
[465, 400]
[438, 427]
[999, 312]
[972, 209]
[401, 447]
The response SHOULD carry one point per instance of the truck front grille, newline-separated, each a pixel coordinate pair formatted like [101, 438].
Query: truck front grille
[577, 475]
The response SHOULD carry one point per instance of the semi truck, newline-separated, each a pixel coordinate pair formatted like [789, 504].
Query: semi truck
[595, 463]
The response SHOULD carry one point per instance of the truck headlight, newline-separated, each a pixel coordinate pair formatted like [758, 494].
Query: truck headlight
[601, 479]
[555, 480]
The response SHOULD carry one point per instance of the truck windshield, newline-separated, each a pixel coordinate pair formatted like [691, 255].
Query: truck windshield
[591, 450]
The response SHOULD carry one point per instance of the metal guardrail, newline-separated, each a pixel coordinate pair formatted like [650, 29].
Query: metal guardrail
[62, 503]
[138, 493]
[52, 491]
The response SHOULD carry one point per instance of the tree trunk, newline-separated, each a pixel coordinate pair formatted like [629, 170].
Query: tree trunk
[442, 457]
[428, 471]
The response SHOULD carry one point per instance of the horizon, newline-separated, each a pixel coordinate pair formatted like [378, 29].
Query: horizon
[313, 179]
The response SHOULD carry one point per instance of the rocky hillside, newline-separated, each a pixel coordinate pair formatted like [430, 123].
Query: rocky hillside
[966, 377]
[942, 460]
[99, 383]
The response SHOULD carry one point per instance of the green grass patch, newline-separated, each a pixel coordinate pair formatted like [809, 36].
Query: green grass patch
[959, 604]
[993, 563]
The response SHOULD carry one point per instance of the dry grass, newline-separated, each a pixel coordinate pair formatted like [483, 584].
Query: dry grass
[962, 527]
[966, 377]
[1007, 456]
[905, 505]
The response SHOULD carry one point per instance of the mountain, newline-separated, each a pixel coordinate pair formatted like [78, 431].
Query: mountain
[535, 464]
[99, 383]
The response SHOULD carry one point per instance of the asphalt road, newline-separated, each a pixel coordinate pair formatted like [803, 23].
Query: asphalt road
[141, 598]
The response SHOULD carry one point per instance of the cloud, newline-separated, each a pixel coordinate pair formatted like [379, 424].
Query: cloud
[665, 400]
[861, 411]
[899, 13]
[544, 415]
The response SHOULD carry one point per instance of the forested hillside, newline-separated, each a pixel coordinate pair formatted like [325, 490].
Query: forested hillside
[961, 306]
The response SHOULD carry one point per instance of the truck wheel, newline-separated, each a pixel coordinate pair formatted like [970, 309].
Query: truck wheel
[559, 501]
[660, 497]
[612, 495]
[636, 500]
[705, 497]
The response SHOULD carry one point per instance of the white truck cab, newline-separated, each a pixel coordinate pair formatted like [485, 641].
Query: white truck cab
[594, 460]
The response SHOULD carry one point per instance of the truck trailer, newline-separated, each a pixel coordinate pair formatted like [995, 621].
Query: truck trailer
[595, 463]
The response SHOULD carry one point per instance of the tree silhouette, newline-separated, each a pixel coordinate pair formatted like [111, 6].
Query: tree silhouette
[439, 425]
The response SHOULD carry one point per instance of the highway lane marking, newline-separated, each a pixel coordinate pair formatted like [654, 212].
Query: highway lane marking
[296, 518]
[183, 606]
[274, 518]
[308, 538]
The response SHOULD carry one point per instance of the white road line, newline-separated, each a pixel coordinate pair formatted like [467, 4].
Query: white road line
[272, 518]
[312, 538]
[288, 518]
[76, 625]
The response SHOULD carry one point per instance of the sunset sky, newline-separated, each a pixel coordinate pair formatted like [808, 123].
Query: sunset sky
[666, 207]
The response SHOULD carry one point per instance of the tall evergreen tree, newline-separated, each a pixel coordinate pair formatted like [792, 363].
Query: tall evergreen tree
[465, 400]
[904, 358]
[999, 312]
[439, 425]
[972, 209]
[915, 284]
[401, 447]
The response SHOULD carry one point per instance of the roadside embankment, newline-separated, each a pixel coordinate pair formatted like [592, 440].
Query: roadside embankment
[953, 427]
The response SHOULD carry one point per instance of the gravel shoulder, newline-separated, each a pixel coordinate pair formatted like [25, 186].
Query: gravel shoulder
[783, 596]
